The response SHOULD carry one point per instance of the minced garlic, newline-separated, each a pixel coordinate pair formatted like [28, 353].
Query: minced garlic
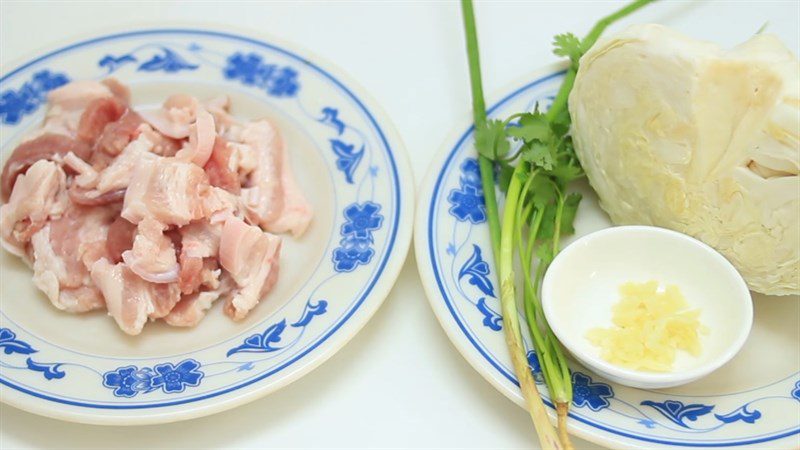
[650, 324]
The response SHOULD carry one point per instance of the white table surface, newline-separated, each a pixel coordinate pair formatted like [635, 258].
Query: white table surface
[399, 383]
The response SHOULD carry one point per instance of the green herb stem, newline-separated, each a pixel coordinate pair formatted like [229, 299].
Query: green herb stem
[560, 101]
[503, 247]
[479, 117]
[557, 229]
[532, 311]
[547, 435]
[509, 219]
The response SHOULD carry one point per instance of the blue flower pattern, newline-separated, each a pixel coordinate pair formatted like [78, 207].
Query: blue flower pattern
[15, 104]
[112, 63]
[362, 220]
[352, 253]
[355, 248]
[251, 70]
[491, 319]
[471, 173]
[11, 344]
[129, 381]
[477, 272]
[310, 311]
[50, 371]
[467, 202]
[796, 391]
[536, 368]
[173, 379]
[347, 157]
[269, 340]
[681, 414]
[164, 60]
[263, 342]
[741, 413]
[678, 412]
[330, 117]
[167, 61]
[586, 393]
[249, 365]
[647, 423]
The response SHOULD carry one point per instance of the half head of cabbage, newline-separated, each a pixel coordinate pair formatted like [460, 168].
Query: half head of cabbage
[682, 134]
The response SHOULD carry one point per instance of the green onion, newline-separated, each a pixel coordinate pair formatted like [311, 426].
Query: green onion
[538, 212]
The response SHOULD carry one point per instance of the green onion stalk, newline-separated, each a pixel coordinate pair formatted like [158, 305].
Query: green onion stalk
[538, 210]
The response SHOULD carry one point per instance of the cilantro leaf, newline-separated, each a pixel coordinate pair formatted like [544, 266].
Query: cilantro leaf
[561, 123]
[564, 173]
[490, 140]
[523, 177]
[566, 147]
[539, 154]
[568, 45]
[542, 192]
[545, 252]
[569, 211]
[531, 126]
[547, 228]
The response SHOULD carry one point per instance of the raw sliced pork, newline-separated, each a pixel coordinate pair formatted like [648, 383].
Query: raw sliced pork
[153, 214]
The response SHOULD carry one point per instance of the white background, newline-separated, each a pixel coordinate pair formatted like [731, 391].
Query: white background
[399, 383]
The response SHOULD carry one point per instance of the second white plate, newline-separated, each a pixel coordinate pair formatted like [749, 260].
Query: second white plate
[753, 401]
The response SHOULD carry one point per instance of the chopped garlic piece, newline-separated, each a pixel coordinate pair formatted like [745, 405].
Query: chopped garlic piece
[650, 325]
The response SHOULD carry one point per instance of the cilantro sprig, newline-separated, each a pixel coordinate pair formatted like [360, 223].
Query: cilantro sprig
[534, 174]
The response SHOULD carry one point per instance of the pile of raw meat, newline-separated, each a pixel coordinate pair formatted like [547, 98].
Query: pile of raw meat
[153, 214]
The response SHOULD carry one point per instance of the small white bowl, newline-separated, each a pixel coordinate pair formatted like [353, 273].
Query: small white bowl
[582, 283]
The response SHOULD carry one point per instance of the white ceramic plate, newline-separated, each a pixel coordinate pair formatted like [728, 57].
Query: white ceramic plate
[753, 401]
[348, 160]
